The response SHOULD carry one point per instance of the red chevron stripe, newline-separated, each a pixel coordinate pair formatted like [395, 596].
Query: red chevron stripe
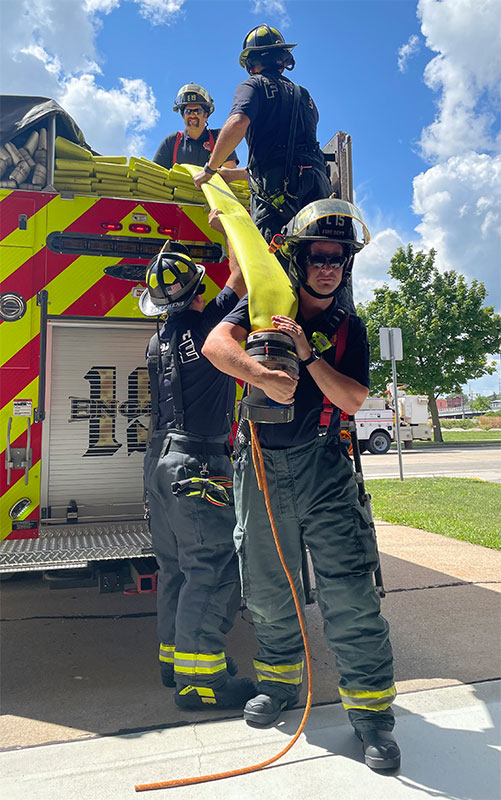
[100, 298]
[22, 369]
[16, 204]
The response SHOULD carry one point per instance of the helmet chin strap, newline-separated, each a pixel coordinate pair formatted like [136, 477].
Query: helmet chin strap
[307, 288]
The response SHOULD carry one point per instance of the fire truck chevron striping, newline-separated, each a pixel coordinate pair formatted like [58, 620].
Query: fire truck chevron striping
[59, 245]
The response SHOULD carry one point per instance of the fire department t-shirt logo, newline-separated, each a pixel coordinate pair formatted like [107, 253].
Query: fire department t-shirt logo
[186, 349]
[207, 145]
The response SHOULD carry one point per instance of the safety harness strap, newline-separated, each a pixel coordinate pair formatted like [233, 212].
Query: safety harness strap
[341, 321]
[179, 135]
[159, 362]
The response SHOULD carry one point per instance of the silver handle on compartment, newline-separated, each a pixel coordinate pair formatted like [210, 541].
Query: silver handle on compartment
[27, 463]
[8, 460]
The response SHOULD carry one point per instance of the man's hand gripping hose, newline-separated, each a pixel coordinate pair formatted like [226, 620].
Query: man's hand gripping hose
[257, 457]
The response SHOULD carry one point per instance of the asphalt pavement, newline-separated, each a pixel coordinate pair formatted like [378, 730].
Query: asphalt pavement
[425, 461]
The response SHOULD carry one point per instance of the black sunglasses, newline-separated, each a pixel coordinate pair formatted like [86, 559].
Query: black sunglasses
[319, 261]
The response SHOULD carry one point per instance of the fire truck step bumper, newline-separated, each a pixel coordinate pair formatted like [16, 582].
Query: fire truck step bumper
[64, 546]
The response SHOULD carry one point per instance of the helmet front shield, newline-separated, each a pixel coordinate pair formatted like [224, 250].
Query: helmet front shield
[330, 218]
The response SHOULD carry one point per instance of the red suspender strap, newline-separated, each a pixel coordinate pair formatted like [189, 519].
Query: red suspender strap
[339, 340]
[176, 145]
[211, 140]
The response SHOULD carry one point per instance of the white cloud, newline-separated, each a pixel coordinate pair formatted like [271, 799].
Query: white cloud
[160, 12]
[49, 50]
[370, 269]
[127, 112]
[459, 201]
[406, 52]
[466, 71]
[272, 7]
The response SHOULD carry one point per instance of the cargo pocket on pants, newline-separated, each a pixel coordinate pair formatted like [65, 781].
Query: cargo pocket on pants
[366, 538]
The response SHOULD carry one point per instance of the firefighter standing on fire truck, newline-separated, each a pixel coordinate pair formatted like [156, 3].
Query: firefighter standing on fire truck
[286, 166]
[195, 144]
[313, 491]
[187, 473]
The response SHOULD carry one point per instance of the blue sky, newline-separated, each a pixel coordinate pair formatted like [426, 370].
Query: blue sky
[415, 83]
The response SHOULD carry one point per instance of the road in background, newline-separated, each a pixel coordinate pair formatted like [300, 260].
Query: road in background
[482, 462]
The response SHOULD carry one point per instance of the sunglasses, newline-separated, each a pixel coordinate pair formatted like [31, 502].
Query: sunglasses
[197, 111]
[320, 261]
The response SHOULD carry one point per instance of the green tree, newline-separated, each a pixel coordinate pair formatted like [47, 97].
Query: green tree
[447, 333]
[480, 403]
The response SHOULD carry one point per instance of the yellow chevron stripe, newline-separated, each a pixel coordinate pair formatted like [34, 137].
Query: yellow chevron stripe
[76, 279]
[199, 217]
[15, 335]
[13, 258]
[60, 213]
[15, 493]
[30, 392]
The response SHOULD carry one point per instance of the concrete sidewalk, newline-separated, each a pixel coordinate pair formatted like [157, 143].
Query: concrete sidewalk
[448, 737]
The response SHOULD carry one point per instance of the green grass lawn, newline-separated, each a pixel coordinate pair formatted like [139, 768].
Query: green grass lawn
[458, 437]
[463, 508]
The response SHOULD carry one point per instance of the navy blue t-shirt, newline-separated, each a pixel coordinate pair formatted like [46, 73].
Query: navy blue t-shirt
[208, 395]
[190, 151]
[267, 99]
[308, 397]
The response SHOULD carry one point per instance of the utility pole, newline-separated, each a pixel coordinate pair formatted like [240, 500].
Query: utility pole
[390, 343]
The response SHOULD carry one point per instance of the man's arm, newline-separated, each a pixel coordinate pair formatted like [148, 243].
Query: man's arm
[344, 392]
[232, 133]
[230, 165]
[235, 279]
[222, 348]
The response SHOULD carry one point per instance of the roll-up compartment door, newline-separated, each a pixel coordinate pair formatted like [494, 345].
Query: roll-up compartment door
[98, 420]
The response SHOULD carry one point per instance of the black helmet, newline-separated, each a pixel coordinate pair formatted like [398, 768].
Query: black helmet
[330, 220]
[173, 281]
[193, 93]
[266, 45]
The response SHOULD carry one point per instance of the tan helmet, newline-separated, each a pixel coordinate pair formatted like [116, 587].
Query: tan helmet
[193, 93]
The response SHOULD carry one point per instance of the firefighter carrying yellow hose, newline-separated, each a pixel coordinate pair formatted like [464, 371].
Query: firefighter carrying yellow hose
[314, 495]
[187, 472]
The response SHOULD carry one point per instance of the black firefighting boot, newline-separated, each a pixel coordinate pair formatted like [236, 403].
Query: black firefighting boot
[233, 693]
[265, 710]
[380, 749]
[167, 671]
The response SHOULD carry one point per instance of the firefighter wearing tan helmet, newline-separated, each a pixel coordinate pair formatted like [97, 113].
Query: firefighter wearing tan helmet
[195, 143]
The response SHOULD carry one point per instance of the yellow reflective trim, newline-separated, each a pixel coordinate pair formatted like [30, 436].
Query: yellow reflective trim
[377, 707]
[204, 692]
[279, 669]
[75, 280]
[200, 656]
[199, 670]
[15, 335]
[295, 681]
[368, 693]
[166, 653]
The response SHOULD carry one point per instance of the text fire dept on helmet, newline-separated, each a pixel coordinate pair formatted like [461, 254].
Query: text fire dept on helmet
[262, 111]
[187, 473]
[313, 491]
[195, 143]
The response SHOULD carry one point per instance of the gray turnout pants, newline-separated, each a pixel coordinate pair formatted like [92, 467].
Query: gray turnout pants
[314, 497]
[198, 591]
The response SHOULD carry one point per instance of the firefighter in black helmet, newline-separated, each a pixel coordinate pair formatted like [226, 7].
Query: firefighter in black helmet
[195, 144]
[187, 476]
[287, 171]
[312, 488]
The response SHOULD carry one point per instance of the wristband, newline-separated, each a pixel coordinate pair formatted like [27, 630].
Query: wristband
[208, 170]
[315, 356]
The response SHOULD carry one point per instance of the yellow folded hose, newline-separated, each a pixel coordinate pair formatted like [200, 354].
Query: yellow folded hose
[270, 290]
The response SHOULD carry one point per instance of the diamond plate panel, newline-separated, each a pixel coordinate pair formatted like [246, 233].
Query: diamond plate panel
[66, 545]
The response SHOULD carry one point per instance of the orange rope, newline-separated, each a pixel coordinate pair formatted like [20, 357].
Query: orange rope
[257, 457]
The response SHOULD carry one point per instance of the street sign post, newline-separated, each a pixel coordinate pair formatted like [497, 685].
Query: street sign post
[390, 343]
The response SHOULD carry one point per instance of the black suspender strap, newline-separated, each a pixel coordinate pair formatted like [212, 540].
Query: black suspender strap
[158, 363]
[292, 135]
